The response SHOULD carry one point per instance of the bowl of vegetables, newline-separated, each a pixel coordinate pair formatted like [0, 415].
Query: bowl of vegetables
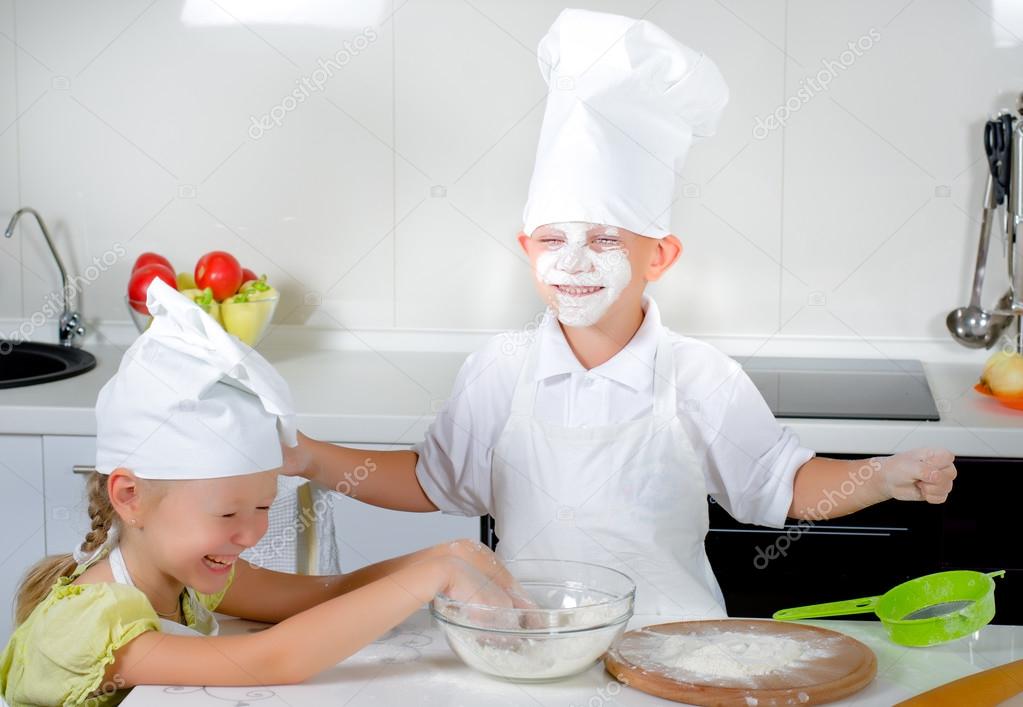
[235, 297]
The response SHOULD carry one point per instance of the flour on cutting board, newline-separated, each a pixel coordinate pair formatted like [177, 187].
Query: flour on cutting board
[731, 654]
[738, 658]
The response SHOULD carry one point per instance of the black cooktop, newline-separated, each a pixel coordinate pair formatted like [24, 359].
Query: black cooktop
[844, 388]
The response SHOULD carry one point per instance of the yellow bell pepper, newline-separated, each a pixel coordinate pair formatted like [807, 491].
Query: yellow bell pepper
[245, 317]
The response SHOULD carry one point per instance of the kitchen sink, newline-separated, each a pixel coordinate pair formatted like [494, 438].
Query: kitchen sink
[29, 363]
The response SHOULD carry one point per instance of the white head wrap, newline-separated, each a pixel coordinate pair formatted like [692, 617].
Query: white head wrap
[191, 401]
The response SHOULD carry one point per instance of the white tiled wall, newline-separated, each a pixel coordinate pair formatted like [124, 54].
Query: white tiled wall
[391, 197]
[10, 251]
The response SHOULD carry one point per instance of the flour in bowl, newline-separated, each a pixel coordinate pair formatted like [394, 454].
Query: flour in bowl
[532, 659]
[544, 644]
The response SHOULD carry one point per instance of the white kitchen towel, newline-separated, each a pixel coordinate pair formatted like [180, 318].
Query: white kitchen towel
[300, 537]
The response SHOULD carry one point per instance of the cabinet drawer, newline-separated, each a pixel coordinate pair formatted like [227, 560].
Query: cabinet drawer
[21, 518]
[866, 553]
[981, 522]
[762, 570]
[67, 509]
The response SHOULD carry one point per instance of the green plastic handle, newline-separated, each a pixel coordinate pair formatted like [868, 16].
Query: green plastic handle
[834, 608]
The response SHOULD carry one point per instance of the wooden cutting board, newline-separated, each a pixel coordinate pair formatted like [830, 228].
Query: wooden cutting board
[825, 665]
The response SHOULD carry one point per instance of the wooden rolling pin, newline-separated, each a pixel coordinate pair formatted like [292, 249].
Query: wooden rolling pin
[984, 689]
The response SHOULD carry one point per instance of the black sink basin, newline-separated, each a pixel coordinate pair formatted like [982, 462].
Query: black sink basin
[28, 363]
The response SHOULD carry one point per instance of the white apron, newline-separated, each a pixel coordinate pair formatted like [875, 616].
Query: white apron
[204, 618]
[629, 496]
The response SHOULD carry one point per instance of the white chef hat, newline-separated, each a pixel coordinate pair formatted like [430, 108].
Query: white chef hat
[624, 102]
[190, 401]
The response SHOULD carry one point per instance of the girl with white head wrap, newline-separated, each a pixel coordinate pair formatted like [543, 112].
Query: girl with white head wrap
[190, 433]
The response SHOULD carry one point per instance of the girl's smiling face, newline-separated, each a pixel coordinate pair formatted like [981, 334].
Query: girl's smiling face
[194, 530]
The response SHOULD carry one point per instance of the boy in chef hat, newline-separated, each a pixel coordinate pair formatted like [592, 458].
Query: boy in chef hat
[602, 438]
[189, 440]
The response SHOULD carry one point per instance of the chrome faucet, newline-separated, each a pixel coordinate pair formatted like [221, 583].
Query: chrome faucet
[70, 326]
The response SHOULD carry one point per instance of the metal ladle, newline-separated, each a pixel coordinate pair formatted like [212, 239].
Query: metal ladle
[972, 325]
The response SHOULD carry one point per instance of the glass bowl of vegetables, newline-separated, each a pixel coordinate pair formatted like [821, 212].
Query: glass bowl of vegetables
[246, 314]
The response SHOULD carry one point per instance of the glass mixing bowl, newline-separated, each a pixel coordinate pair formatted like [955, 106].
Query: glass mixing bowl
[582, 609]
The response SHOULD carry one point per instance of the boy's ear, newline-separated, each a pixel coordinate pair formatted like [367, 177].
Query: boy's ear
[666, 252]
[523, 240]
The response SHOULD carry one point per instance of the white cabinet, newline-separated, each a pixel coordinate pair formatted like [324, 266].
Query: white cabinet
[21, 517]
[67, 508]
[367, 534]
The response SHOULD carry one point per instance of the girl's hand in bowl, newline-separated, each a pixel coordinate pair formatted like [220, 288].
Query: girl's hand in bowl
[485, 603]
[483, 559]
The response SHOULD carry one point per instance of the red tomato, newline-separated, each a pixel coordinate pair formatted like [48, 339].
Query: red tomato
[248, 275]
[149, 259]
[221, 272]
[140, 280]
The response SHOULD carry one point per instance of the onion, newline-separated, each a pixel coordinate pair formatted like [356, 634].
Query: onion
[1003, 374]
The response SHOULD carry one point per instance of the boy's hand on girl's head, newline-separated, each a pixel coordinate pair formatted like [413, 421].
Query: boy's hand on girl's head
[923, 474]
[298, 460]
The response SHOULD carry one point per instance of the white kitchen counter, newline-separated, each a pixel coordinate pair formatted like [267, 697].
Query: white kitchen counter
[413, 665]
[384, 397]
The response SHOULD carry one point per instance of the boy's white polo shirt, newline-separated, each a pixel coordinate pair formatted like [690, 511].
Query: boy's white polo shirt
[749, 459]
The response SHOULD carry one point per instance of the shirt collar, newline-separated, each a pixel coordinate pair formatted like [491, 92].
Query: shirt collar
[633, 366]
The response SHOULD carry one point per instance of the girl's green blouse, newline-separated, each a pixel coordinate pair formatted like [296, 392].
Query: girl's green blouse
[60, 654]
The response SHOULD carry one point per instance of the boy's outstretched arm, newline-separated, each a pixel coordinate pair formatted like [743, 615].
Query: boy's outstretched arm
[386, 479]
[828, 488]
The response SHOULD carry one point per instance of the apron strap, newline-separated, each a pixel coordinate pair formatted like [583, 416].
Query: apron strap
[665, 393]
[118, 568]
[524, 397]
[203, 617]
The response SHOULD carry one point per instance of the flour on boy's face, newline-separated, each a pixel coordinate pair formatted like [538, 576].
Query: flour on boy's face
[584, 266]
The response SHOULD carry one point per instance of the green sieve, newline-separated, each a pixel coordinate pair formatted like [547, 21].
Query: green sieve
[924, 611]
